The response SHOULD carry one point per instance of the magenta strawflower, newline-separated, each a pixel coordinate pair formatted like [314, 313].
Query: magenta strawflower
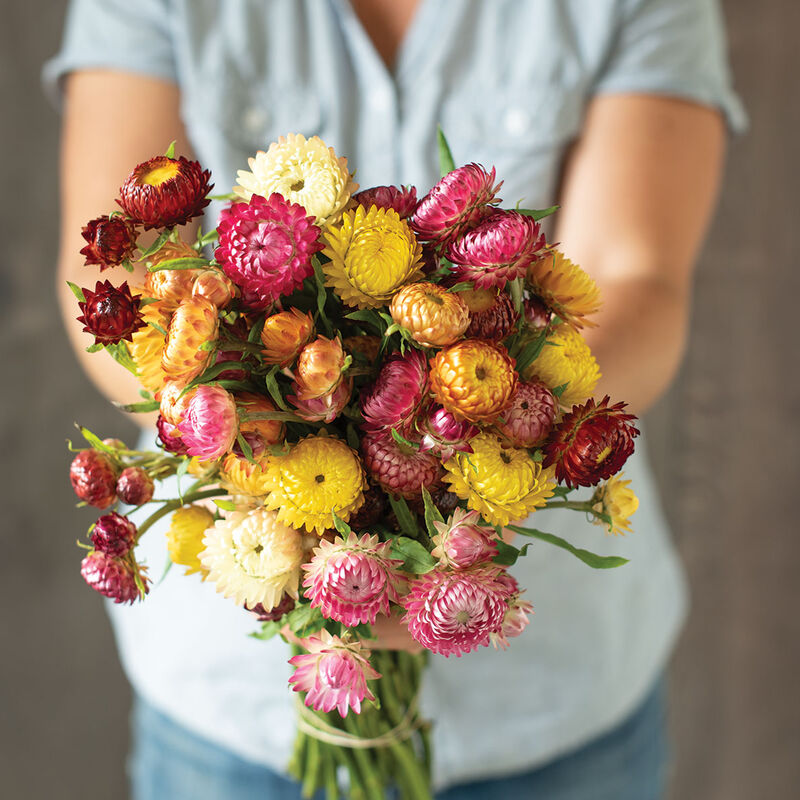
[169, 437]
[398, 468]
[462, 541]
[210, 424]
[499, 249]
[536, 314]
[321, 409]
[457, 203]
[274, 614]
[443, 434]
[398, 393]
[451, 613]
[401, 199]
[114, 578]
[515, 620]
[113, 534]
[527, 422]
[353, 580]
[333, 674]
[265, 247]
[135, 486]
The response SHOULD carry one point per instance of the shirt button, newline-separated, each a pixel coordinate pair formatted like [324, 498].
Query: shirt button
[255, 119]
[516, 121]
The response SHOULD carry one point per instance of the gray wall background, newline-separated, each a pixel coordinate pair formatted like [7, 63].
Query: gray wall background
[726, 441]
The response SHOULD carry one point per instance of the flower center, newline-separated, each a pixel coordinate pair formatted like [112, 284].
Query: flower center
[434, 298]
[298, 185]
[160, 174]
[462, 617]
[319, 478]
[603, 454]
[505, 457]
[270, 245]
[480, 373]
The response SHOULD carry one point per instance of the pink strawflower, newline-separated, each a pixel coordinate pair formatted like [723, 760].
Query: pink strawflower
[170, 437]
[353, 580]
[498, 250]
[113, 534]
[444, 435]
[462, 542]
[451, 613]
[398, 468]
[398, 393]
[265, 247]
[403, 200]
[135, 486]
[210, 424]
[531, 416]
[457, 203]
[515, 620]
[321, 409]
[333, 673]
[113, 577]
[535, 313]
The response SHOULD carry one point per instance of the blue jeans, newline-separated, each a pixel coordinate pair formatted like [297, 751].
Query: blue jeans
[629, 763]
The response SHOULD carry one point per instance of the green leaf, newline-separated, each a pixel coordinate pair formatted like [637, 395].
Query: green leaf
[446, 162]
[213, 371]
[186, 262]
[273, 388]
[158, 328]
[322, 295]
[171, 150]
[304, 620]
[155, 246]
[93, 348]
[208, 346]
[405, 517]
[128, 267]
[77, 291]
[226, 196]
[352, 437]
[207, 238]
[530, 352]
[592, 559]
[561, 491]
[268, 630]
[340, 525]
[432, 513]
[138, 408]
[181, 470]
[369, 316]
[254, 336]
[461, 286]
[94, 440]
[225, 505]
[538, 213]
[559, 390]
[507, 554]
[120, 353]
[400, 439]
[246, 449]
[146, 301]
[416, 559]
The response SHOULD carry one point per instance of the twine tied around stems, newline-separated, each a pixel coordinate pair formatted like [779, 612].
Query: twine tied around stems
[312, 725]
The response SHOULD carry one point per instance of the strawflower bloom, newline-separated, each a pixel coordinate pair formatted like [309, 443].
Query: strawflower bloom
[325, 408]
[242, 476]
[284, 335]
[617, 501]
[317, 476]
[536, 314]
[365, 347]
[456, 203]
[215, 286]
[515, 620]
[398, 393]
[169, 437]
[566, 359]
[114, 578]
[304, 171]
[135, 486]
[187, 527]
[110, 313]
[210, 423]
[372, 254]
[94, 478]
[462, 541]
[398, 468]
[564, 288]
[113, 534]
[173, 402]
[492, 315]
[497, 250]
[111, 240]
[502, 483]
[164, 192]
[147, 346]
[193, 326]
[353, 580]
[401, 199]
[320, 367]
[531, 415]
[451, 613]
[473, 380]
[171, 286]
[253, 558]
[433, 316]
[591, 443]
[443, 434]
[333, 673]
[269, 431]
[265, 247]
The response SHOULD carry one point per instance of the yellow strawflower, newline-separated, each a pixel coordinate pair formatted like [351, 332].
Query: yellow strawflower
[566, 358]
[564, 288]
[617, 501]
[304, 171]
[318, 475]
[504, 484]
[185, 537]
[372, 254]
[243, 476]
[147, 345]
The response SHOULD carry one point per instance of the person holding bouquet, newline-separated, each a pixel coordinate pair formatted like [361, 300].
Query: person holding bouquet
[615, 111]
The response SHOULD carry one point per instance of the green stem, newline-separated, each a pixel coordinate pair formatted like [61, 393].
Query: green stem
[516, 293]
[311, 767]
[174, 505]
[372, 784]
[575, 505]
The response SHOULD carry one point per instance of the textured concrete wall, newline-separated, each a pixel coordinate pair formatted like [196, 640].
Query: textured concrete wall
[726, 445]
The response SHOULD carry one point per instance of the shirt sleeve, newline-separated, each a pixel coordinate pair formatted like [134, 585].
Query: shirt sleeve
[113, 34]
[673, 47]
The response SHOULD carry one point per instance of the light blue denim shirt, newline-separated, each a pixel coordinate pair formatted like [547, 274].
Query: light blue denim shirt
[509, 80]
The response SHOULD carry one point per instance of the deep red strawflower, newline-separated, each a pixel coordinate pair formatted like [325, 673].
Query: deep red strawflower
[401, 199]
[135, 486]
[113, 534]
[111, 313]
[169, 437]
[113, 577]
[164, 192]
[371, 512]
[286, 604]
[110, 241]
[93, 478]
[591, 443]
